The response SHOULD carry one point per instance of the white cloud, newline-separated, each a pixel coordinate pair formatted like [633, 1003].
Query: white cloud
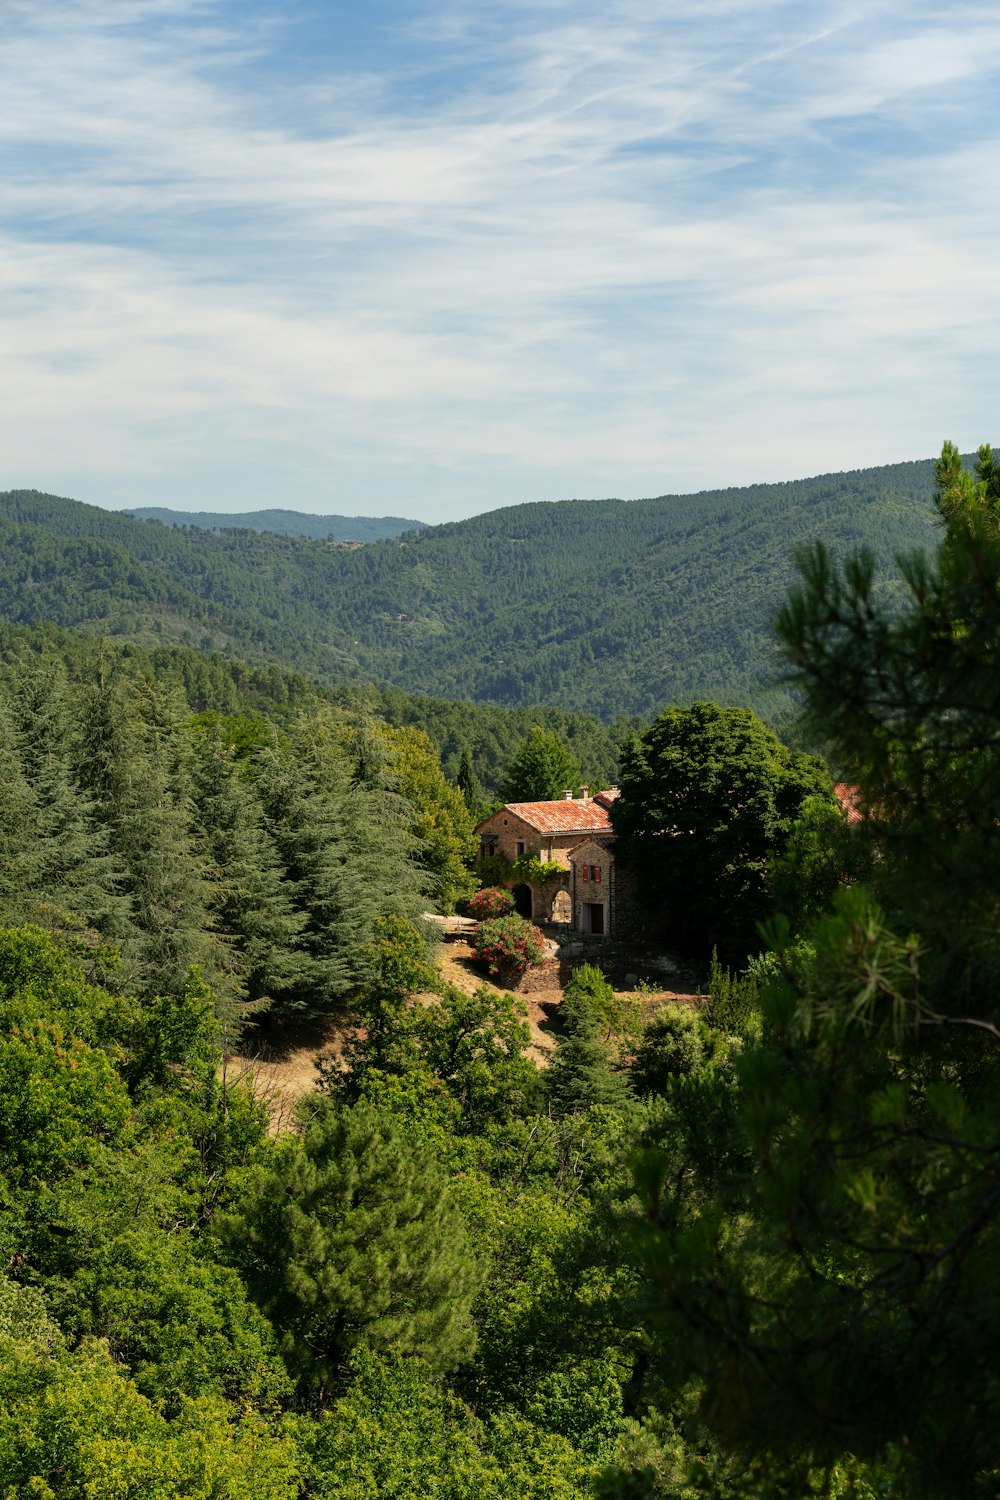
[550, 252]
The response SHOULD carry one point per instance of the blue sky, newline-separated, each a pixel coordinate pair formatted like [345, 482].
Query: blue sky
[428, 259]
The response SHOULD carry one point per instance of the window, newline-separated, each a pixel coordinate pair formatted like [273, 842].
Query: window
[595, 873]
[586, 873]
[519, 846]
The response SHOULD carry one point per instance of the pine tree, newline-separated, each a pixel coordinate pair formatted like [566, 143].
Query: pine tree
[75, 873]
[541, 770]
[302, 821]
[344, 837]
[250, 903]
[468, 782]
[354, 1241]
[135, 764]
[20, 860]
[580, 1075]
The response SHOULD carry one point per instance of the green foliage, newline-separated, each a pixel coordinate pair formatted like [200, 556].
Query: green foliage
[540, 771]
[536, 871]
[441, 821]
[396, 1434]
[397, 967]
[283, 522]
[823, 1282]
[340, 830]
[674, 1044]
[250, 901]
[468, 783]
[960, 497]
[709, 795]
[822, 853]
[72, 1424]
[581, 1075]
[254, 704]
[589, 998]
[353, 1241]
[475, 1045]
[733, 1001]
[456, 1065]
[508, 945]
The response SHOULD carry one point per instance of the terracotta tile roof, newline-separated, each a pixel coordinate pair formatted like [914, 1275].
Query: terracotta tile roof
[849, 798]
[606, 798]
[565, 816]
[600, 841]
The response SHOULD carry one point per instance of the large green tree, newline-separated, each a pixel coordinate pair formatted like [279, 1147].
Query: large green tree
[353, 1241]
[832, 1294]
[708, 797]
[541, 769]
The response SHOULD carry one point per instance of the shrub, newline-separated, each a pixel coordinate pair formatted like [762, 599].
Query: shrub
[508, 944]
[674, 1044]
[491, 902]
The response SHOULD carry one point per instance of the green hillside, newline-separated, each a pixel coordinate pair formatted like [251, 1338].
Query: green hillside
[283, 522]
[611, 606]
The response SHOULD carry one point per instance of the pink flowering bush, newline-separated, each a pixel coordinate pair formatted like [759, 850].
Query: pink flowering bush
[508, 945]
[491, 902]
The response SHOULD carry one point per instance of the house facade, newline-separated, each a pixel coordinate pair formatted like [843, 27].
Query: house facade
[580, 894]
[593, 893]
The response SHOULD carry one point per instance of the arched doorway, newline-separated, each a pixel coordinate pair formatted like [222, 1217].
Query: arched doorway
[562, 908]
[522, 900]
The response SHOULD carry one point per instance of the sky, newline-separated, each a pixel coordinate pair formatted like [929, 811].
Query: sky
[428, 259]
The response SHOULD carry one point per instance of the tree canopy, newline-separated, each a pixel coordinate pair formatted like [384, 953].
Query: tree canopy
[540, 771]
[826, 1282]
[708, 796]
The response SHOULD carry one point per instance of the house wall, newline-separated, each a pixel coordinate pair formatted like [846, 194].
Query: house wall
[507, 829]
[590, 858]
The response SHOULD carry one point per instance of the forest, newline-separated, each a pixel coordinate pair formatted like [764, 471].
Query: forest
[737, 1248]
[626, 606]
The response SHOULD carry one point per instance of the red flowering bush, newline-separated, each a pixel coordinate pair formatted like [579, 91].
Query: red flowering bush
[508, 945]
[494, 901]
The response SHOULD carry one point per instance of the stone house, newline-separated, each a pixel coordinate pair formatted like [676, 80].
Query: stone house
[580, 895]
[593, 894]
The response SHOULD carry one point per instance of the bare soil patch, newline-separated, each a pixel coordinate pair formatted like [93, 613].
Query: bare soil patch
[279, 1062]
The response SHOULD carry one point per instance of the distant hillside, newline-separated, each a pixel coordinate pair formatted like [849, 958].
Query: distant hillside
[606, 606]
[283, 522]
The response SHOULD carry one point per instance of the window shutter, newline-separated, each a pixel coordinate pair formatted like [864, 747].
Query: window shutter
[585, 872]
[597, 874]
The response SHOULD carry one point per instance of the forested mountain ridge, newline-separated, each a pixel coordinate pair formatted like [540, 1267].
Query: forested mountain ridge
[283, 522]
[616, 606]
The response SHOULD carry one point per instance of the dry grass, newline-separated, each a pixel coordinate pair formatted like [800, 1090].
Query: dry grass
[279, 1064]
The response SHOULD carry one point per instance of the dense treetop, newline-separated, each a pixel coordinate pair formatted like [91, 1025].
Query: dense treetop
[488, 735]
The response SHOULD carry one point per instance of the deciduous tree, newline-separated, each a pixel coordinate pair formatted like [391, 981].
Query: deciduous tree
[708, 796]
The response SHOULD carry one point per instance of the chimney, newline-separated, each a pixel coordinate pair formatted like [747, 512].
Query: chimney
[584, 793]
[567, 796]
